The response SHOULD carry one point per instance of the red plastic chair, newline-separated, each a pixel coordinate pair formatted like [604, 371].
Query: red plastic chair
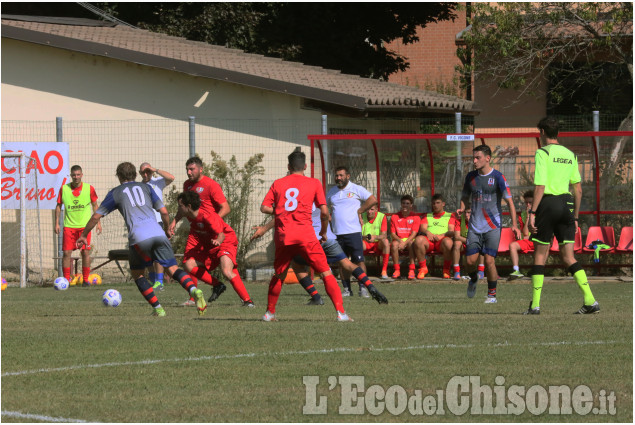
[507, 237]
[577, 244]
[625, 244]
[603, 233]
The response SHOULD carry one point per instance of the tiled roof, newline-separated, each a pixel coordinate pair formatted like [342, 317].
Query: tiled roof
[206, 60]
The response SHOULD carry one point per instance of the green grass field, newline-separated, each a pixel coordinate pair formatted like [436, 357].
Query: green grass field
[67, 357]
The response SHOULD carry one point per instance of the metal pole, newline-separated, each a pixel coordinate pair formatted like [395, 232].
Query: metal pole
[459, 156]
[192, 125]
[325, 149]
[59, 137]
[596, 120]
[596, 148]
[23, 235]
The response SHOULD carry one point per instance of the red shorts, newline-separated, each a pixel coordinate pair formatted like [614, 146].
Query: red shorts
[227, 249]
[311, 251]
[372, 248]
[70, 236]
[526, 246]
[209, 255]
[435, 246]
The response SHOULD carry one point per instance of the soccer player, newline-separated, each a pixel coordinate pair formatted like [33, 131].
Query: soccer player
[212, 199]
[290, 199]
[147, 240]
[348, 201]
[157, 184]
[375, 232]
[436, 234]
[217, 243]
[555, 211]
[77, 198]
[404, 227]
[524, 245]
[485, 187]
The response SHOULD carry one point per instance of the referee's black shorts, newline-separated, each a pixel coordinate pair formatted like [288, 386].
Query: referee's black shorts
[554, 216]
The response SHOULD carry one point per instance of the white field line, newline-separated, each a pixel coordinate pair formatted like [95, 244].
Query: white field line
[21, 415]
[291, 353]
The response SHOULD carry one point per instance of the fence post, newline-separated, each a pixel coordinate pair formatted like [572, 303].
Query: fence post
[596, 120]
[59, 137]
[325, 149]
[459, 156]
[192, 126]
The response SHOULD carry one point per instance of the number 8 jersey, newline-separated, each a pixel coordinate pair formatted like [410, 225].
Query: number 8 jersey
[136, 202]
[292, 198]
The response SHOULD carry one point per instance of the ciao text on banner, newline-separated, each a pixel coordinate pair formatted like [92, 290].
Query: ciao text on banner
[49, 163]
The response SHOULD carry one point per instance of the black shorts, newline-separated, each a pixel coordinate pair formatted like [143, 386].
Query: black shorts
[555, 217]
[353, 246]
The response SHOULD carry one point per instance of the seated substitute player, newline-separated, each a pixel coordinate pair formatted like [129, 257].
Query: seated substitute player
[435, 234]
[290, 199]
[148, 242]
[217, 243]
[403, 230]
[524, 245]
[334, 254]
[375, 233]
[460, 239]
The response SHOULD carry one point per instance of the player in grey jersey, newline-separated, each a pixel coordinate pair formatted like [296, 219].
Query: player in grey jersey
[148, 242]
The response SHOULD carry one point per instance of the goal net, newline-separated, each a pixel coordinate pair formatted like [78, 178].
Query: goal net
[21, 254]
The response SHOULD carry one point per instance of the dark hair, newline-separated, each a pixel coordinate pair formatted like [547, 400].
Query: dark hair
[297, 160]
[528, 194]
[550, 126]
[190, 198]
[438, 196]
[342, 168]
[194, 160]
[409, 198]
[75, 168]
[483, 148]
[126, 171]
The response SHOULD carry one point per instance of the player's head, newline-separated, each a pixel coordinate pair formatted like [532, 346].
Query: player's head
[194, 168]
[372, 212]
[126, 172]
[407, 202]
[549, 128]
[528, 198]
[438, 203]
[189, 199]
[145, 171]
[297, 161]
[342, 176]
[482, 154]
[76, 175]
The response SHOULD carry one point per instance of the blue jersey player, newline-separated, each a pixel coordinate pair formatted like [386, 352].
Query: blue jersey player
[485, 187]
[148, 242]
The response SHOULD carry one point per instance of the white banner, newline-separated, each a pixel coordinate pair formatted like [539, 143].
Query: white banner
[50, 164]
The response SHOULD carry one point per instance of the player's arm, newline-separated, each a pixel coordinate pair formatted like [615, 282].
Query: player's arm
[368, 204]
[512, 211]
[325, 216]
[94, 220]
[169, 178]
[224, 209]
[577, 198]
[219, 240]
[58, 212]
[95, 206]
[261, 230]
[450, 232]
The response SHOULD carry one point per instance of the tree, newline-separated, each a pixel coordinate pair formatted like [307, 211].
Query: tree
[519, 45]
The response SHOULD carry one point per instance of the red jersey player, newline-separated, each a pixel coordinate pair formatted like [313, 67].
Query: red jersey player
[217, 243]
[212, 200]
[291, 200]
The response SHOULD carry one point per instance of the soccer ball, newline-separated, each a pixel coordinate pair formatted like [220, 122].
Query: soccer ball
[4, 284]
[61, 284]
[111, 298]
[94, 279]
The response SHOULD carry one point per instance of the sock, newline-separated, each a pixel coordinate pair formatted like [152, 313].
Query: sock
[361, 276]
[66, 271]
[457, 268]
[537, 278]
[158, 277]
[580, 277]
[446, 266]
[491, 288]
[309, 287]
[397, 268]
[422, 264]
[239, 286]
[152, 277]
[481, 268]
[346, 283]
[275, 286]
[516, 269]
[85, 273]
[201, 273]
[411, 268]
[333, 291]
[148, 293]
[386, 258]
[185, 280]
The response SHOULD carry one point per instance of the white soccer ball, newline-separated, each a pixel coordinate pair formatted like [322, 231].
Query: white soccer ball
[61, 284]
[111, 298]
